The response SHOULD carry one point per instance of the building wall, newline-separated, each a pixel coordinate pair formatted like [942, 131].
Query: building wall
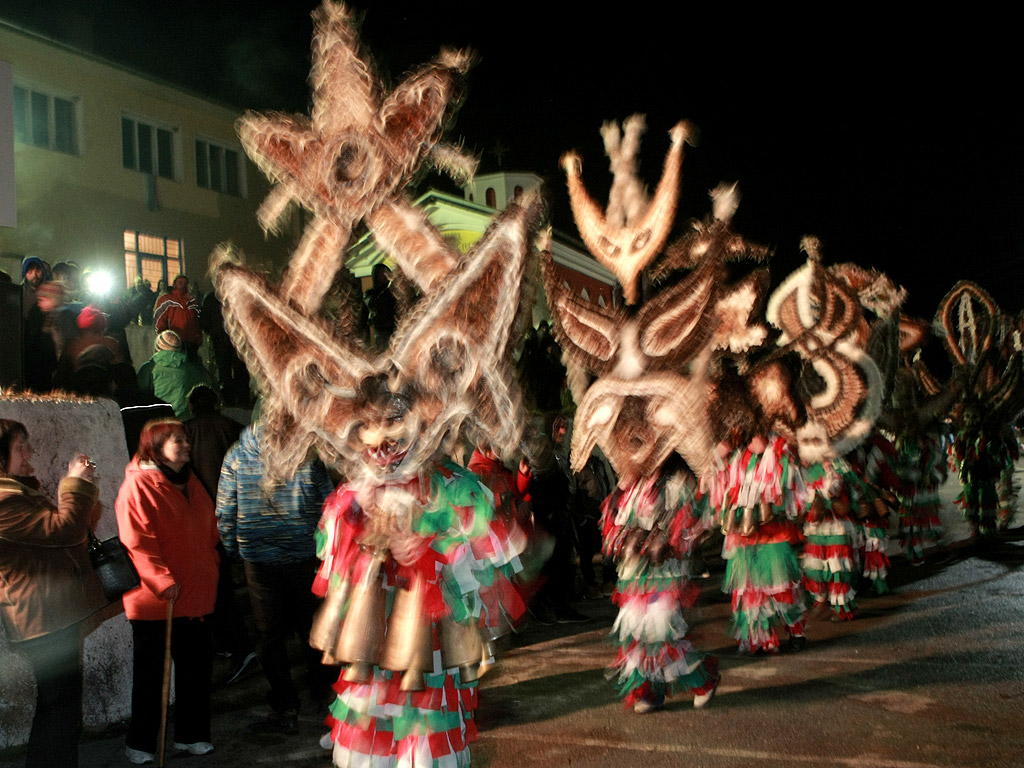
[76, 207]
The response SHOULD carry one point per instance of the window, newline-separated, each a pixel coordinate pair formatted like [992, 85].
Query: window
[153, 257]
[45, 121]
[220, 168]
[490, 198]
[149, 148]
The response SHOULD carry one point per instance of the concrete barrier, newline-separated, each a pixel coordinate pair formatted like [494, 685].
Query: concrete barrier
[60, 428]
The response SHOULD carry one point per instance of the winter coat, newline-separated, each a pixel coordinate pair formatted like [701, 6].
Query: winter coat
[210, 435]
[171, 539]
[169, 375]
[46, 580]
[178, 312]
[272, 526]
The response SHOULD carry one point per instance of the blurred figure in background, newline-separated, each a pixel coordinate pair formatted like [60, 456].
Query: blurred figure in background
[211, 434]
[178, 311]
[170, 375]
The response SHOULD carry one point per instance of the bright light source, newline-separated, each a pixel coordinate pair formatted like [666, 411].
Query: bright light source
[99, 283]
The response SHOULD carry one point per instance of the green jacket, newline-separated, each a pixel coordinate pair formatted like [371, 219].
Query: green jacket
[170, 376]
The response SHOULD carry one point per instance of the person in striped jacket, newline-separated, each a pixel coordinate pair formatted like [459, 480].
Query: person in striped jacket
[272, 527]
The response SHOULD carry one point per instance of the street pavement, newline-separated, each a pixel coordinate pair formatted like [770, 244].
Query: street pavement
[927, 676]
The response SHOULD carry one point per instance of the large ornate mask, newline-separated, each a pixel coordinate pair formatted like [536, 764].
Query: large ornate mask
[653, 363]
[447, 366]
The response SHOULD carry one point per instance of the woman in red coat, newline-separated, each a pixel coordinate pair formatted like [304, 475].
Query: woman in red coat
[166, 520]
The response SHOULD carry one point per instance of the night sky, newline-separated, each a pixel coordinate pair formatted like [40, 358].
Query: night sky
[896, 140]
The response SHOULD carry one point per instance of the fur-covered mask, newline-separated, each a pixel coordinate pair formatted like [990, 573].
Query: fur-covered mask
[985, 348]
[653, 363]
[448, 364]
[659, 367]
[821, 319]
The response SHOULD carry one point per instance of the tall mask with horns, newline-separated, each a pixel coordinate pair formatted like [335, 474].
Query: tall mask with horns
[370, 413]
[647, 376]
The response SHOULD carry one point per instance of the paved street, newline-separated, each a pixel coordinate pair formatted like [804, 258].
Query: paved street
[929, 675]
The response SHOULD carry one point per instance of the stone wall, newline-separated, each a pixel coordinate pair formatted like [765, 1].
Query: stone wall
[59, 429]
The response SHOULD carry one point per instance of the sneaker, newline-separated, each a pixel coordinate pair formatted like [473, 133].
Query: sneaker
[701, 700]
[286, 722]
[239, 666]
[644, 706]
[797, 643]
[571, 616]
[326, 742]
[138, 757]
[542, 615]
[195, 748]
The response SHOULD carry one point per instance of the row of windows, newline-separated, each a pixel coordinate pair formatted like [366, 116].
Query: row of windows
[51, 122]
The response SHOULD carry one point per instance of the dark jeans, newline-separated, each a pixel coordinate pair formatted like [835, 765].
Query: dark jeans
[192, 651]
[282, 603]
[56, 661]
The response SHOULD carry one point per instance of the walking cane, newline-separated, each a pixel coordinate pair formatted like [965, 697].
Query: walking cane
[166, 692]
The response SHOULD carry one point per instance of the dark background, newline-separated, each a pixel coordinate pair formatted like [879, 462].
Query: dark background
[893, 136]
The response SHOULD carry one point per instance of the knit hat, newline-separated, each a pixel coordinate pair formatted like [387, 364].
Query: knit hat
[168, 340]
[52, 289]
[92, 319]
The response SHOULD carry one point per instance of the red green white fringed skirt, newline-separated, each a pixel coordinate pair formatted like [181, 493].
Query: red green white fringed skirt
[762, 574]
[376, 725]
[828, 564]
[876, 562]
[650, 631]
[919, 522]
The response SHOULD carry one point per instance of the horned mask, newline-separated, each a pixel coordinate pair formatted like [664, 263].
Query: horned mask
[448, 363]
[661, 383]
[653, 363]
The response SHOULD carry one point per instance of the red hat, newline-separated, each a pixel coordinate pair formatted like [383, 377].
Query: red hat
[92, 319]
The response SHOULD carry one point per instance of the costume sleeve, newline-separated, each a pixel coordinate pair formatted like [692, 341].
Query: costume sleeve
[227, 506]
[523, 484]
[135, 510]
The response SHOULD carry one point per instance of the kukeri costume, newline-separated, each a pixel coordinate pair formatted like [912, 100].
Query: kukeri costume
[646, 404]
[986, 350]
[409, 541]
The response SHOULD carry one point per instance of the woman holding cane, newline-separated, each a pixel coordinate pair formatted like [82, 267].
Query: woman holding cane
[166, 520]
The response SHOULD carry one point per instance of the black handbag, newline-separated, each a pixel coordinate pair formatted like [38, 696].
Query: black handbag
[113, 567]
